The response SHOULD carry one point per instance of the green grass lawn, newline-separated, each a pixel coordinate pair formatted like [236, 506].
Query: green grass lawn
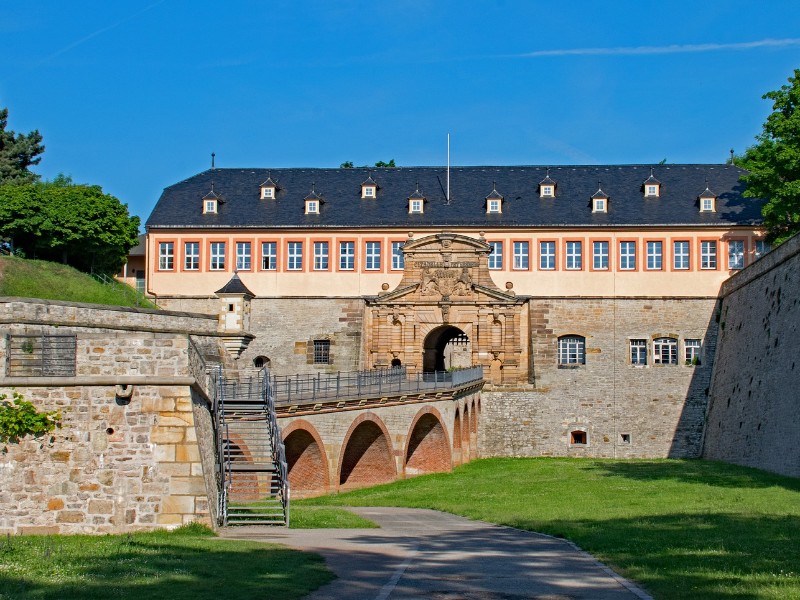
[682, 529]
[188, 564]
[326, 517]
[53, 281]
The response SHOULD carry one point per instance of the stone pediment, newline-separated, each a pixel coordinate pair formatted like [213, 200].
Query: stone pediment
[446, 267]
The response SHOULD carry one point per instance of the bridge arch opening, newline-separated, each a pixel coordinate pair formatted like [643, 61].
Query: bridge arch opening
[428, 448]
[446, 347]
[305, 458]
[367, 458]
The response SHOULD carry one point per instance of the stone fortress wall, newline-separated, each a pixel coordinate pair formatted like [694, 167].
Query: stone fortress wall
[755, 391]
[132, 452]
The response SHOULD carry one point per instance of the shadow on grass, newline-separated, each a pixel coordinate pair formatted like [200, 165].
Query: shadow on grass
[148, 567]
[697, 471]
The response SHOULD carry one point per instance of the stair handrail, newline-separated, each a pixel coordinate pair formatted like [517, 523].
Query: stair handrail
[278, 448]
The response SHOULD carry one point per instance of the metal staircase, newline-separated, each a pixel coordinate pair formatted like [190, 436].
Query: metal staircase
[251, 455]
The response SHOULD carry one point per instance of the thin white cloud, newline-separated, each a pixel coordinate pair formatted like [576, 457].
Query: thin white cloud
[101, 31]
[671, 49]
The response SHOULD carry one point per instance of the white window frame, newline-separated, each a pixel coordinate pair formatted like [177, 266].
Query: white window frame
[627, 255]
[706, 204]
[321, 256]
[217, 256]
[191, 256]
[496, 256]
[243, 256]
[638, 352]
[600, 251]
[708, 255]
[599, 205]
[415, 206]
[267, 193]
[269, 256]
[652, 191]
[574, 255]
[347, 256]
[209, 207]
[398, 259]
[735, 257]
[571, 350]
[493, 206]
[681, 255]
[312, 207]
[691, 350]
[547, 255]
[372, 256]
[655, 255]
[294, 256]
[547, 191]
[522, 255]
[369, 191]
[665, 351]
[166, 256]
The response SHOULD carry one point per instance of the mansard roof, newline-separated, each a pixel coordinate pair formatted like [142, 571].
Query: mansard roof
[177, 207]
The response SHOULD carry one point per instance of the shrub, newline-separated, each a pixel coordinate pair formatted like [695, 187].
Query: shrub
[19, 418]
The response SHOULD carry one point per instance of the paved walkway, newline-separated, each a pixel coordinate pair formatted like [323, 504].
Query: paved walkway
[438, 556]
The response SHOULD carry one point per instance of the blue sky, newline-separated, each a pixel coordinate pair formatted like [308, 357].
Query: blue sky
[134, 96]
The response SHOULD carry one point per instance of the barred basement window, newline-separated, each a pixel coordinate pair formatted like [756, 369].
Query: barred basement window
[322, 352]
[571, 350]
[41, 355]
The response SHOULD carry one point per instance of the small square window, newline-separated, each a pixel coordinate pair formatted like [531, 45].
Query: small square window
[577, 438]
[625, 438]
[547, 191]
[415, 206]
[312, 207]
[369, 192]
[493, 206]
[652, 191]
[210, 206]
[322, 352]
[707, 204]
[599, 205]
[267, 192]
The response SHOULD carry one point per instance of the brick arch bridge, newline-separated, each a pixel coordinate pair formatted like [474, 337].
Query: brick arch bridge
[331, 448]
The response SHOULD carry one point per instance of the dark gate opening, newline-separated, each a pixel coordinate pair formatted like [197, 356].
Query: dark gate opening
[442, 347]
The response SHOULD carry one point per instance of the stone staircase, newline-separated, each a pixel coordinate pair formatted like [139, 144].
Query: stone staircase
[252, 459]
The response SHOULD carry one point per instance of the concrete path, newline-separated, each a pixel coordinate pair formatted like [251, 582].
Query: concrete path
[428, 554]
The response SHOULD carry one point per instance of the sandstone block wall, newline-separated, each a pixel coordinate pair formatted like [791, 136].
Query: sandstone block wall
[625, 410]
[117, 463]
[755, 391]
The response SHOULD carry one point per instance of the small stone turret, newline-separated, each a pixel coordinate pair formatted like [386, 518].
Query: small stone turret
[234, 315]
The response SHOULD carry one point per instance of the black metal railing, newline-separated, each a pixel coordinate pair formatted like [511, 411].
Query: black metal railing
[291, 389]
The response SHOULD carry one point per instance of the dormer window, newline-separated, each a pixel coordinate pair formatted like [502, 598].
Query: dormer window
[415, 205]
[369, 189]
[708, 200]
[268, 189]
[211, 202]
[313, 202]
[652, 186]
[494, 201]
[547, 187]
[599, 201]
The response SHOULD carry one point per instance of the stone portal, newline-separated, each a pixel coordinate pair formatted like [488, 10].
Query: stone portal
[448, 312]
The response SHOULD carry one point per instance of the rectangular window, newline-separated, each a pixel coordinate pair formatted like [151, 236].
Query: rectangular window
[600, 256]
[166, 256]
[191, 256]
[322, 352]
[347, 256]
[496, 256]
[415, 206]
[665, 351]
[243, 255]
[493, 206]
[708, 255]
[736, 254]
[217, 256]
[691, 352]
[638, 352]
[655, 252]
[269, 256]
[680, 255]
[373, 256]
[398, 260]
[762, 247]
[295, 256]
[627, 256]
[571, 350]
[521, 252]
[574, 256]
[320, 256]
[547, 256]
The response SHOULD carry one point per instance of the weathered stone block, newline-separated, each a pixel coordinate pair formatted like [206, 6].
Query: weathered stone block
[101, 507]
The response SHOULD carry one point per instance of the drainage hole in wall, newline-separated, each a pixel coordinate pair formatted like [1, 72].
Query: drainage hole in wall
[110, 430]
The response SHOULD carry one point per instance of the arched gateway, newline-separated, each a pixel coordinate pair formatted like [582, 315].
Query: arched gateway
[448, 308]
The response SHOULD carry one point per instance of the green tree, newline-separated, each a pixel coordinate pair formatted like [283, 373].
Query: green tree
[18, 152]
[75, 224]
[774, 163]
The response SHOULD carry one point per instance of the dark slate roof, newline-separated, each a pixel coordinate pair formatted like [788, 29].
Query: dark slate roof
[681, 185]
[140, 248]
[600, 194]
[235, 286]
